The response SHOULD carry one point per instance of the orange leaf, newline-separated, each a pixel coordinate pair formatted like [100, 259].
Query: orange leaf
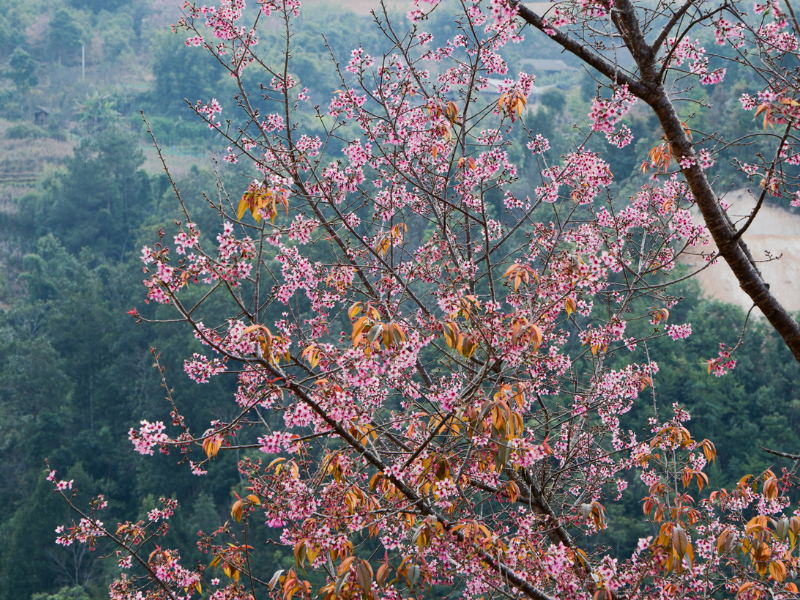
[212, 444]
[570, 306]
[354, 310]
[237, 510]
[777, 570]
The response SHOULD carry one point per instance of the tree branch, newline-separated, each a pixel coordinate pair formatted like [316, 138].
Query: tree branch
[583, 52]
[781, 454]
[670, 24]
[649, 89]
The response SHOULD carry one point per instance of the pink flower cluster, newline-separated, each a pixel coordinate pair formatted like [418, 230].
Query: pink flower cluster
[538, 145]
[85, 532]
[679, 332]
[200, 369]
[148, 436]
[606, 113]
[163, 514]
[732, 32]
[275, 442]
[722, 364]
[687, 50]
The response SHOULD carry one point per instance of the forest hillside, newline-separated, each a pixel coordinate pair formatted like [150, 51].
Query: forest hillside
[82, 189]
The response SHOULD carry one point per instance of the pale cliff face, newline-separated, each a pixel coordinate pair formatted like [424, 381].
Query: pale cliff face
[774, 233]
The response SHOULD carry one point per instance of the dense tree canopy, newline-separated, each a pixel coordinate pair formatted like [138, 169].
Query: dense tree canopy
[21, 70]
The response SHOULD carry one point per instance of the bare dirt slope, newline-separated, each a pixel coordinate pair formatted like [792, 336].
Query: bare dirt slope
[775, 232]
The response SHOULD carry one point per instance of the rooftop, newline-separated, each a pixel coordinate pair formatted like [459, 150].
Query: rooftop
[545, 64]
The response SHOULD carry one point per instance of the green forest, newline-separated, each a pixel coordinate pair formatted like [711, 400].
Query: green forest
[82, 190]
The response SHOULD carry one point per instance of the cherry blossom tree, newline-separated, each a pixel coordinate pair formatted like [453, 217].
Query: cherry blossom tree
[436, 366]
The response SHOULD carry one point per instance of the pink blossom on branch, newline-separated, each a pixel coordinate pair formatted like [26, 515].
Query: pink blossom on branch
[445, 363]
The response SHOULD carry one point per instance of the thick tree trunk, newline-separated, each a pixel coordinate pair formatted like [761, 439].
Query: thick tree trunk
[649, 88]
[731, 247]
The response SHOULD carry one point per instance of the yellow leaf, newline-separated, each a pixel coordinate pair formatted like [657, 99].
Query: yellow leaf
[570, 306]
[709, 450]
[380, 578]
[725, 541]
[466, 345]
[423, 539]
[231, 571]
[237, 510]
[451, 111]
[518, 327]
[451, 335]
[358, 329]
[211, 445]
[300, 552]
[243, 206]
[354, 310]
[383, 245]
[398, 334]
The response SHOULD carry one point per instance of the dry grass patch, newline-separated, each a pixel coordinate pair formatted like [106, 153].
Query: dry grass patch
[22, 161]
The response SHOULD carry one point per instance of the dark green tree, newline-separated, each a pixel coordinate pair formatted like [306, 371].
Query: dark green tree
[64, 37]
[182, 74]
[10, 36]
[22, 70]
[102, 195]
[98, 5]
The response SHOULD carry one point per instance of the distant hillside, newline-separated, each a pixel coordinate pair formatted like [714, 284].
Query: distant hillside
[361, 7]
